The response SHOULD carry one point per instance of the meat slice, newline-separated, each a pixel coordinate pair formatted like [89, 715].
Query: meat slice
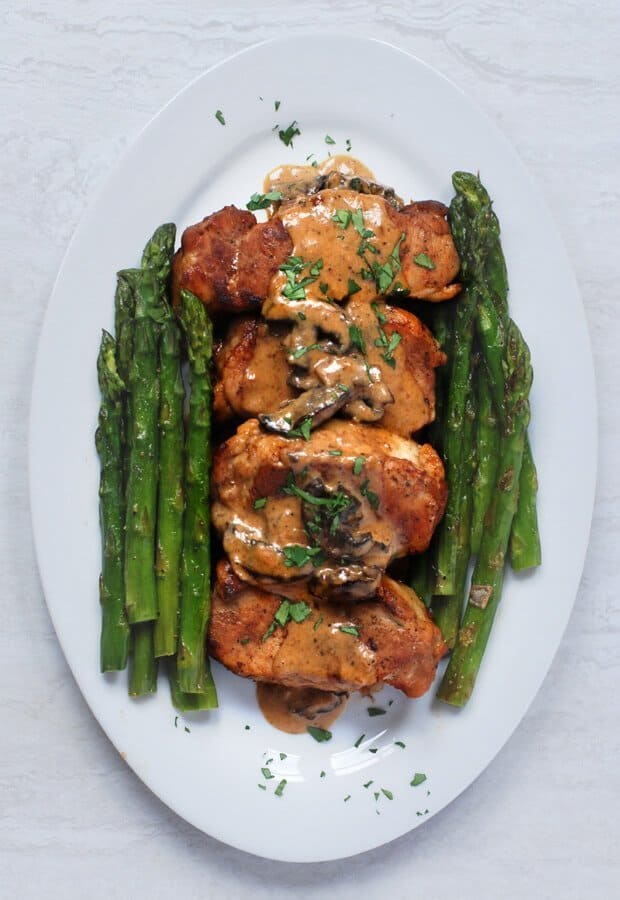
[389, 640]
[325, 515]
[228, 260]
[256, 367]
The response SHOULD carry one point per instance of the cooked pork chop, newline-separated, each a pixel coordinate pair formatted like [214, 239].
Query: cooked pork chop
[256, 367]
[396, 642]
[229, 261]
[324, 515]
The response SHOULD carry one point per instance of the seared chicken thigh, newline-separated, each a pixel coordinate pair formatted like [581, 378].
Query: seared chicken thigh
[390, 639]
[324, 515]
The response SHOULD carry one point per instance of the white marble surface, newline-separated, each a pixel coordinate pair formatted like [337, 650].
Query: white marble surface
[79, 81]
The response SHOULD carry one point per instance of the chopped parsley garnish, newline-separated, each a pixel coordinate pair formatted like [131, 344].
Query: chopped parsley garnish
[323, 287]
[185, 728]
[335, 452]
[317, 623]
[359, 740]
[262, 201]
[358, 465]
[329, 139]
[296, 556]
[176, 721]
[349, 629]
[368, 783]
[280, 788]
[267, 774]
[353, 287]
[286, 135]
[377, 795]
[260, 503]
[287, 612]
[342, 218]
[357, 338]
[347, 144]
[372, 498]
[276, 105]
[348, 797]
[244, 641]
[282, 755]
[219, 115]
[303, 431]
[262, 787]
[400, 744]
[388, 356]
[423, 260]
[373, 749]
[418, 778]
[375, 711]
[322, 775]
[301, 316]
[301, 351]
[381, 316]
[387, 793]
[295, 287]
[319, 734]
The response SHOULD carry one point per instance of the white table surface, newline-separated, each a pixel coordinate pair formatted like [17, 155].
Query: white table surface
[80, 79]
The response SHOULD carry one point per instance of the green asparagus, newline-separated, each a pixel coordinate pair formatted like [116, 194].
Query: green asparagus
[114, 628]
[525, 551]
[487, 451]
[140, 517]
[193, 663]
[170, 500]
[185, 702]
[487, 580]
[143, 665]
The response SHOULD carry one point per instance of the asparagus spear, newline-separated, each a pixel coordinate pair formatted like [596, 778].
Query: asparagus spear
[193, 664]
[421, 577]
[487, 451]
[185, 702]
[140, 587]
[487, 580]
[454, 449]
[447, 609]
[525, 551]
[170, 501]
[143, 667]
[114, 627]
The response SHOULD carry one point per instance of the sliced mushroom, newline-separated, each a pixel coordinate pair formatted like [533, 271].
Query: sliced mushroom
[316, 405]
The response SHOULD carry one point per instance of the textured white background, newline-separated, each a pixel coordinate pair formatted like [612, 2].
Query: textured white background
[79, 80]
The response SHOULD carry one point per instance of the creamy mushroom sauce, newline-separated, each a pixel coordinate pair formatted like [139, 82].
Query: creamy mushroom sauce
[325, 316]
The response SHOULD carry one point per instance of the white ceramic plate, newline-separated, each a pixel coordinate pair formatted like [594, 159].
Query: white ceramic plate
[413, 128]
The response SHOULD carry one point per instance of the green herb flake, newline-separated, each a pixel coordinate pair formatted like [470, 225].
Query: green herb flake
[296, 556]
[262, 787]
[348, 797]
[357, 338]
[388, 356]
[282, 755]
[359, 740]
[267, 774]
[387, 793]
[270, 630]
[319, 734]
[286, 135]
[282, 614]
[301, 316]
[349, 629]
[418, 778]
[187, 729]
[276, 105]
[400, 744]
[262, 201]
[375, 711]
[353, 287]
[377, 795]
[247, 727]
[323, 287]
[381, 316]
[244, 641]
[329, 139]
[300, 611]
[342, 218]
[280, 788]
[347, 145]
[372, 498]
[260, 503]
[368, 783]
[219, 115]
[176, 721]
[373, 749]
[335, 452]
[322, 775]
[424, 261]
[358, 465]
[317, 623]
